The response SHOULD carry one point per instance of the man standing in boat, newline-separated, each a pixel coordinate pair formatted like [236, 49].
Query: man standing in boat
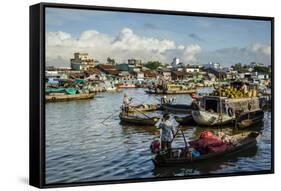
[167, 132]
[126, 104]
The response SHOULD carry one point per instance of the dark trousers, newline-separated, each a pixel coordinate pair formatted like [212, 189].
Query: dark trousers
[166, 145]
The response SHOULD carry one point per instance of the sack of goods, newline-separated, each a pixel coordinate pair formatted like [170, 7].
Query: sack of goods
[208, 143]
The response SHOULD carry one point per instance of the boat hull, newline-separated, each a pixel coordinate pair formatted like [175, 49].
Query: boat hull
[246, 142]
[139, 121]
[177, 108]
[206, 118]
[66, 97]
[186, 120]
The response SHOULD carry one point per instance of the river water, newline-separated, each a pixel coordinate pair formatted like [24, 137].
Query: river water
[79, 148]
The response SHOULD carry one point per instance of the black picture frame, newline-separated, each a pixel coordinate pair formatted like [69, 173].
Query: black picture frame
[37, 99]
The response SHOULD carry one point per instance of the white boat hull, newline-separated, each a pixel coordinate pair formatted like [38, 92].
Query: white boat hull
[206, 118]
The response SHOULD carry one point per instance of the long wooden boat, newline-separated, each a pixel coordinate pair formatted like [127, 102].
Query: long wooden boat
[177, 108]
[244, 141]
[185, 120]
[143, 108]
[135, 120]
[68, 97]
[208, 113]
[250, 119]
[171, 92]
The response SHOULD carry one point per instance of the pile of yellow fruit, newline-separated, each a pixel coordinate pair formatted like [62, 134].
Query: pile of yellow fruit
[230, 92]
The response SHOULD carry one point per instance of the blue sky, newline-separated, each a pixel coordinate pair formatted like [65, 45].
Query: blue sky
[210, 34]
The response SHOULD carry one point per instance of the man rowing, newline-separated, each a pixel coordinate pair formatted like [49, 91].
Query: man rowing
[167, 132]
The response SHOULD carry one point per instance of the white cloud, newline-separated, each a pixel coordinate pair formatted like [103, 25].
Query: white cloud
[61, 46]
[256, 52]
[260, 48]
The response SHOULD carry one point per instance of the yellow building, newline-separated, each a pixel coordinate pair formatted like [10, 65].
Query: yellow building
[81, 61]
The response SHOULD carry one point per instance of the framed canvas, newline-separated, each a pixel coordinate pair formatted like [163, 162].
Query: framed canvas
[122, 95]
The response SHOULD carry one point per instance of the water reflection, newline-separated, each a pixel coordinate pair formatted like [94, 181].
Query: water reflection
[81, 148]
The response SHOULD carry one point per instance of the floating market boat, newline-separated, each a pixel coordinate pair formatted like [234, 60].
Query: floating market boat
[225, 106]
[66, 94]
[126, 86]
[136, 120]
[250, 119]
[143, 108]
[170, 89]
[180, 156]
[185, 120]
[176, 108]
[57, 97]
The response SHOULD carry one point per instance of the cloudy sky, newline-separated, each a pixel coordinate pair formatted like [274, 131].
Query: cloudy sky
[120, 35]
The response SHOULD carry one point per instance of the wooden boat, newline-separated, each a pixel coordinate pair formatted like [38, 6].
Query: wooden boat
[58, 97]
[250, 119]
[171, 92]
[126, 86]
[186, 120]
[208, 113]
[177, 108]
[138, 120]
[244, 141]
[143, 108]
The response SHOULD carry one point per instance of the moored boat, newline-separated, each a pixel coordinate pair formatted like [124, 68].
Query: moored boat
[217, 110]
[136, 120]
[179, 156]
[170, 89]
[58, 97]
[250, 119]
[176, 108]
[185, 120]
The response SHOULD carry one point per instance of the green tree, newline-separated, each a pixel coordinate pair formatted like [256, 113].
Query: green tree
[110, 61]
[153, 65]
[237, 66]
[262, 69]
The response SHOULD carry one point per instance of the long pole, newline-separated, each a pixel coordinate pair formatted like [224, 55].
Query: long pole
[140, 112]
[108, 117]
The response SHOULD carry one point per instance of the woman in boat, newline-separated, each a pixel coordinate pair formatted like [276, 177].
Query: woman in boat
[167, 132]
[126, 104]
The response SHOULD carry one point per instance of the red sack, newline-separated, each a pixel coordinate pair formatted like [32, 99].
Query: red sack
[202, 145]
[205, 134]
[216, 149]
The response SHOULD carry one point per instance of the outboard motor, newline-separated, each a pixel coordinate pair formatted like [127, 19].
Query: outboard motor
[155, 146]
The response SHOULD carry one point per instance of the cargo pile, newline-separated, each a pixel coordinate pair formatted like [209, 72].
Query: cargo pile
[231, 92]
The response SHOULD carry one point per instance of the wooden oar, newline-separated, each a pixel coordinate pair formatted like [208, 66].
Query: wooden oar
[108, 117]
[141, 112]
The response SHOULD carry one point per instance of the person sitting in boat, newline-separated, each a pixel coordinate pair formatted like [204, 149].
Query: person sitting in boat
[167, 132]
[164, 100]
[126, 104]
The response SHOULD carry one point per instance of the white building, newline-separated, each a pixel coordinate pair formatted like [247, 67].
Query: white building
[192, 68]
[175, 62]
[212, 65]
[82, 61]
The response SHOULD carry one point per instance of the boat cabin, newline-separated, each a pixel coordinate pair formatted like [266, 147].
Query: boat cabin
[217, 103]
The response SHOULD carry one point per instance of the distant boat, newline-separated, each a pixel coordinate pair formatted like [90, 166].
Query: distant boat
[59, 97]
[176, 108]
[171, 89]
[126, 86]
[135, 120]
